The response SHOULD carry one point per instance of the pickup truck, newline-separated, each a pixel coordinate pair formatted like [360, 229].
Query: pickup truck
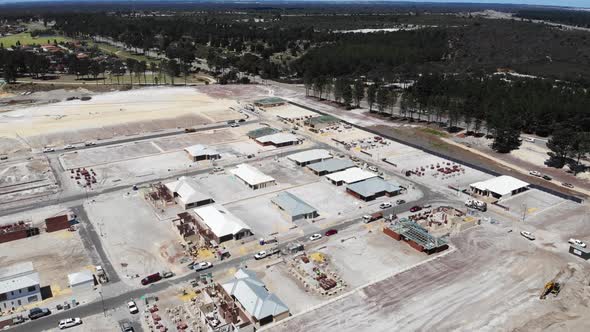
[372, 217]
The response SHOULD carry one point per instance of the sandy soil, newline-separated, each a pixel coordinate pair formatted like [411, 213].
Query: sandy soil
[491, 282]
[109, 109]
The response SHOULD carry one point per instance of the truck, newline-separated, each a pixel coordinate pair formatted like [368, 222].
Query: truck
[372, 217]
[475, 204]
[101, 274]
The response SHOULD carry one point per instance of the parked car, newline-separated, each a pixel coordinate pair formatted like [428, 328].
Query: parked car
[48, 149]
[132, 307]
[89, 143]
[567, 185]
[242, 120]
[69, 147]
[415, 208]
[385, 205]
[315, 236]
[167, 274]
[547, 177]
[373, 169]
[151, 279]
[69, 322]
[400, 202]
[126, 327]
[202, 266]
[529, 139]
[38, 313]
[535, 173]
[426, 206]
[577, 242]
[260, 255]
[234, 125]
[331, 232]
[528, 235]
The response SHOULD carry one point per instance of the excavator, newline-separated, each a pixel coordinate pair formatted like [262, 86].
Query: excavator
[552, 287]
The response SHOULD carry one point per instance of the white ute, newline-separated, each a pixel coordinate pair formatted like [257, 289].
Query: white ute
[132, 307]
[528, 235]
[577, 243]
[69, 322]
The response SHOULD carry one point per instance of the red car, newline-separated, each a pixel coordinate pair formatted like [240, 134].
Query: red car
[415, 208]
[331, 232]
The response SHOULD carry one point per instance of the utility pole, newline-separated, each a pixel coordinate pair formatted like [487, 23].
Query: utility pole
[104, 310]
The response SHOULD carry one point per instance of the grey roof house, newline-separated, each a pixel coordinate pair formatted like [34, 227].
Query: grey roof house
[293, 207]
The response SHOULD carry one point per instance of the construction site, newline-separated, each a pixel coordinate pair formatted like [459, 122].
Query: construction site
[225, 208]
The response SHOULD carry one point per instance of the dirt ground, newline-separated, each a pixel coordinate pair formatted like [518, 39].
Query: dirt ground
[112, 109]
[54, 255]
[491, 282]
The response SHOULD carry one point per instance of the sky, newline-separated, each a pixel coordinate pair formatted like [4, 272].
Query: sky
[571, 3]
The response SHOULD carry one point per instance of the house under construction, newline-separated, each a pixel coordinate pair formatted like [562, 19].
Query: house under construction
[416, 236]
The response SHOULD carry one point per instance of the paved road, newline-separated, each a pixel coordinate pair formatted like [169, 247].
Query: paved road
[91, 241]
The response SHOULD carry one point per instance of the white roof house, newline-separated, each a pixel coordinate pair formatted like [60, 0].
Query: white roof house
[186, 191]
[81, 278]
[350, 175]
[18, 276]
[252, 176]
[278, 139]
[500, 186]
[200, 152]
[309, 156]
[252, 294]
[221, 223]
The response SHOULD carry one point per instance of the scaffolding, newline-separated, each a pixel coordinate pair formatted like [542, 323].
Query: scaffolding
[410, 230]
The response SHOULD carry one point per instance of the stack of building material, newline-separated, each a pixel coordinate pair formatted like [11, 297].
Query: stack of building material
[58, 223]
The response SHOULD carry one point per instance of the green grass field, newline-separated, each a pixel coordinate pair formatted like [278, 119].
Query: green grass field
[25, 38]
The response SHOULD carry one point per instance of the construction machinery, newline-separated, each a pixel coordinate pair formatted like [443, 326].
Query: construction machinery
[552, 287]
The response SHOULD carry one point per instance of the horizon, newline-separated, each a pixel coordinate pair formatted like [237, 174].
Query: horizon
[555, 3]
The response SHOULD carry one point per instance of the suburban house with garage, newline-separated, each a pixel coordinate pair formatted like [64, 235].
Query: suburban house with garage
[373, 188]
[251, 294]
[200, 152]
[293, 207]
[251, 176]
[330, 166]
[499, 187]
[223, 225]
[19, 286]
[278, 140]
[349, 176]
[186, 194]
[309, 157]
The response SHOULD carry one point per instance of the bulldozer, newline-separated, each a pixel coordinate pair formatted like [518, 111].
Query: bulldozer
[552, 287]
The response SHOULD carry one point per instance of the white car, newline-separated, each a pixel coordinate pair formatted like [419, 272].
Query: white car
[373, 169]
[202, 266]
[132, 307]
[577, 243]
[535, 173]
[315, 236]
[69, 322]
[260, 255]
[234, 125]
[385, 205]
[528, 235]
[530, 139]
[45, 150]
[69, 147]
[89, 143]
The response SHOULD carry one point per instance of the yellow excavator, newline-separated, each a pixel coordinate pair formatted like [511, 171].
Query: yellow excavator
[552, 287]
